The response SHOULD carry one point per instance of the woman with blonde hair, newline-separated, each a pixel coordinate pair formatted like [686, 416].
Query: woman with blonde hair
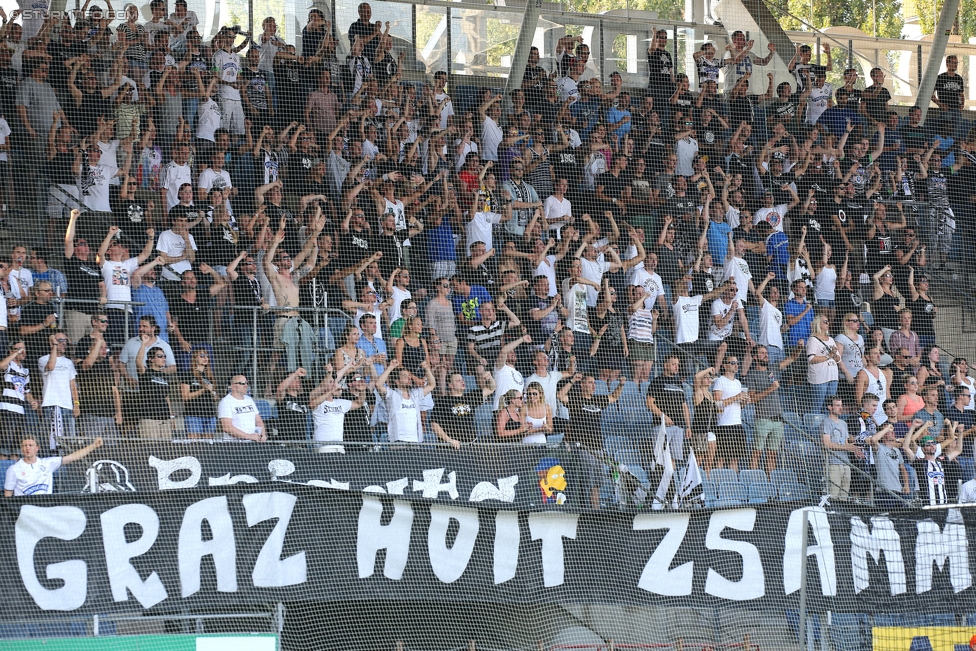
[538, 414]
[824, 363]
[510, 421]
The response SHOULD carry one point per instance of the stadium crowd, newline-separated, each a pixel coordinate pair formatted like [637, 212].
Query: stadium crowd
[730, 256]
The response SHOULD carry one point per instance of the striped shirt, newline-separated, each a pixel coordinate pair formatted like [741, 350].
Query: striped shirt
[15, 381]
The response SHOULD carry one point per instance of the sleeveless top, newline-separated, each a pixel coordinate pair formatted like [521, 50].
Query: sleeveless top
[883, 310]
[703, 420]
[879, 387]
[536, 435]
[413, 356]
[912, 405]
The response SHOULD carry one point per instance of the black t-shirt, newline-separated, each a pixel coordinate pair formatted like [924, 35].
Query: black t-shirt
[83, 278]
[392, 247]
[8, 93]
[949, 88]
[878, 105]
[660, 65]
[204, 405]
[59, 169]
[194, 318]
[363, 30]
[669, 396]
[37, 343]
[613, 186]
[95, 389]
[356, 427]
[293, 416]
[354, 246]
[584, 419]
[153, 390]
[455, 414]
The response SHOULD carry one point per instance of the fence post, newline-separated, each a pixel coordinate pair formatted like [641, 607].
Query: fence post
[471, 645]
[254, 344]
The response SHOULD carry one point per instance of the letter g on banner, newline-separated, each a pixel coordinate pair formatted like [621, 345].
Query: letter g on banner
[36, 523]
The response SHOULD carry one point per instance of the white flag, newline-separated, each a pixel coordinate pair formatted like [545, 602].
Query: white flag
[660, 445]
[662, 488]
[692, 478]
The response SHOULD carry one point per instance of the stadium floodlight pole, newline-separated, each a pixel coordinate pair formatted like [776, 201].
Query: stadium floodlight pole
[530, 20]
[940, 37]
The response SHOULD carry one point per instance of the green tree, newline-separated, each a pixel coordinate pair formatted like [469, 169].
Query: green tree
[855, 13]
[964, 24]
[666, 9]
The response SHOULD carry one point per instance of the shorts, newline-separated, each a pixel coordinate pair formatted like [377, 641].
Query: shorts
[232, 116]
[730, 442]
[279, 328]
[824, 302]
[449, 347]
[200, 425]
[641, 351]
[769, 434]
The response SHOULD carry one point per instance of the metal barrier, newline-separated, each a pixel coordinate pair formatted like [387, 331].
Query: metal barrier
[61, 301]
[318, 324]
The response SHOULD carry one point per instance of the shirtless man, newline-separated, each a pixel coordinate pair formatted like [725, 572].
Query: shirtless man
[292, 333]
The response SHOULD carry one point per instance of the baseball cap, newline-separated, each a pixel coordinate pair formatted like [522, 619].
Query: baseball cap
[927, 439]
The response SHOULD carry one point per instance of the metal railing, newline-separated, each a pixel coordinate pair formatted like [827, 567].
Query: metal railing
[62, 301]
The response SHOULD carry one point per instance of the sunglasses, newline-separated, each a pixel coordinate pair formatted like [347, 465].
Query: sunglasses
[160, 356]
[240, 383]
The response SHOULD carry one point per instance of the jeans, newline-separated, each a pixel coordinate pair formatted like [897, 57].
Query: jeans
[818, 395]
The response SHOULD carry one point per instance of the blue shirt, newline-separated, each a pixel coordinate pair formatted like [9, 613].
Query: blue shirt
[59, 284]
[835, 119]
[718, 242]
[468, 306]
[615, 115]
[800, 329]
[779, 255]
[371, 348]
[440, 242]
[155, 306]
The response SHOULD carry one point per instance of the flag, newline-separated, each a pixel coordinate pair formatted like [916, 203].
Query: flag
[659, 445]
[664, 460]
[692, 479]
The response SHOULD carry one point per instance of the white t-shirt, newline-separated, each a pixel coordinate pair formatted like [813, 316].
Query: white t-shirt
[175, 176]
[208, 119]
[228, 65]
[774, 216]
[404, 424]
[593, 271]
[818, 102]
[243, 413]
[652, 284]
[554, 209]
[213, 180]
[57, 383]
[770, 326]
[506, 379]
[398, 296]
[329, 418]
[21, 280]
[722, 309]
[95, 180]
[491, 137]
[447, 110]
[574, 298]
[739, 269]
[174, 245]
[686, 322]
[547, 268]
[568, 89]
[4, 134]
[32, 478]
[732, 414]
[685, 149]
[118, 282]
[479, 229]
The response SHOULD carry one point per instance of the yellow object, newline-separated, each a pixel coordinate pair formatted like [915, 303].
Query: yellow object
[898, 638]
